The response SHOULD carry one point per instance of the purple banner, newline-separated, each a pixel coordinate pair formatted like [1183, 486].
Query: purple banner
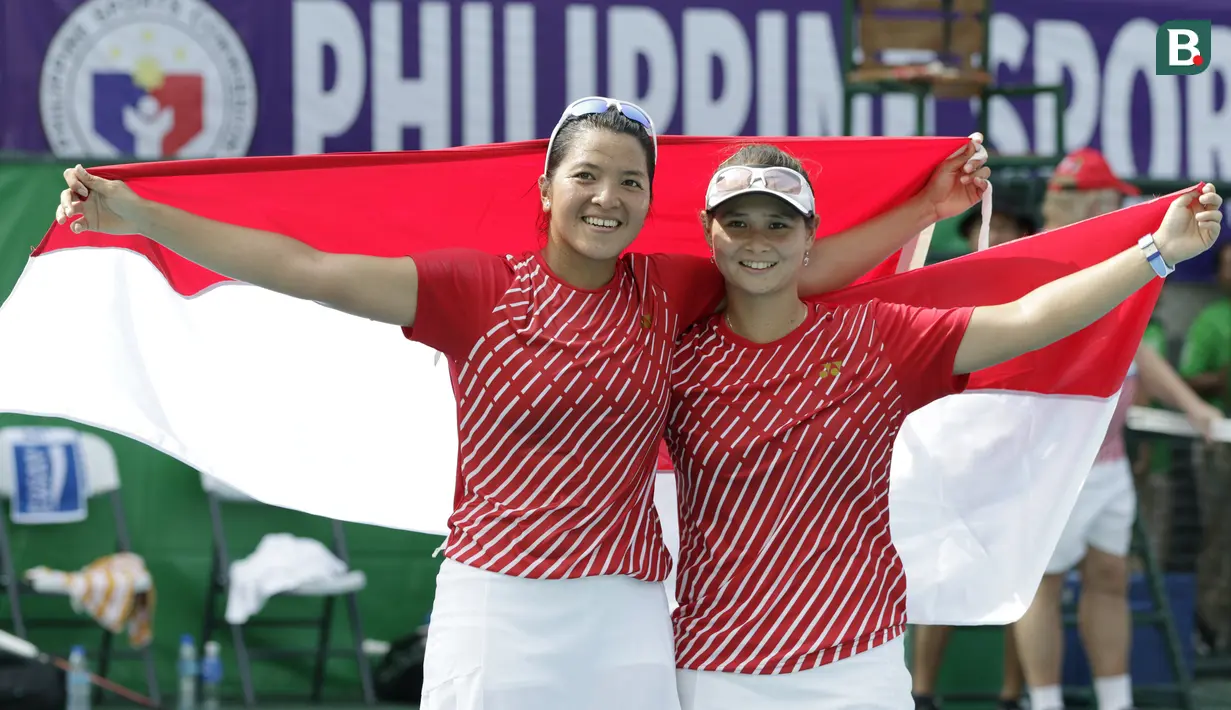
[160, 78]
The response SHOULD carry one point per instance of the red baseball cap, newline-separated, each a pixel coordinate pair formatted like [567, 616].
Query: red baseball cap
[1087, 169]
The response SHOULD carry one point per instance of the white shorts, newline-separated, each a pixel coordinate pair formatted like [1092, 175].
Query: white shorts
[873, 680]
[1102, 518]
[498, 642]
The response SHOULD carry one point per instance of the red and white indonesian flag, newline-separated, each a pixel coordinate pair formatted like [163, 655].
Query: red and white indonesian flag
[306, 408]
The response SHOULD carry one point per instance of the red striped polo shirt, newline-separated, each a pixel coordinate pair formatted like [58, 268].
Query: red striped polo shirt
[561, 397]
[782, 456]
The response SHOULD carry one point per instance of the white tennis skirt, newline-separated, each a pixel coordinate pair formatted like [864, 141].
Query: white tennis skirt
[498, 642]
[872, 680]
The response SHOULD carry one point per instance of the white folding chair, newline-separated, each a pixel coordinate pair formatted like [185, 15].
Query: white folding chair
[97, 461]
[346, 586]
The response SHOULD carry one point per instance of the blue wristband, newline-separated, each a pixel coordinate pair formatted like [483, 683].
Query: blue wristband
[1157, 262]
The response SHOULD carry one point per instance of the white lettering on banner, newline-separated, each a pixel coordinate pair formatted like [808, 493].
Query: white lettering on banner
[398, 102]
[633, 33]
[1008, 48]
[581, 43]
[477, 80]
[321, 111]
[1125, 61]
[709, 35]
[1209, 151]
[1064, 47]
[519, 92]
[818, 74]
[674, 74]
[772, 58]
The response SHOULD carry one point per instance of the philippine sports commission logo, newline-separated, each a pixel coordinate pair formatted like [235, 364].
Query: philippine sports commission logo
[147, 79]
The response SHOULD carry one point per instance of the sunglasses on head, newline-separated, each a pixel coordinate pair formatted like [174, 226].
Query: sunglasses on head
[783, 183]
[592, 105]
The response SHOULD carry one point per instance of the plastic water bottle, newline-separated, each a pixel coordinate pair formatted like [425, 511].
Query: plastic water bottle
[187, 673]
[78, 680]
[211, 676]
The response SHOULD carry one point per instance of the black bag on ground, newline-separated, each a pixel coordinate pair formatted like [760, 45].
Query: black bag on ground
[399, 675]
[26, 684]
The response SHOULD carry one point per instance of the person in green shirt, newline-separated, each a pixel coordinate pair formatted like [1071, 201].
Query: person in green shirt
[1205, 361]
[1206, 357]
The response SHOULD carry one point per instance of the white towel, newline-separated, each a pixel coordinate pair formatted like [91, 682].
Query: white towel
[280, 563]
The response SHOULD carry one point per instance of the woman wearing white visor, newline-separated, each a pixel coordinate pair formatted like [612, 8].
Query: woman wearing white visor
[783, 417]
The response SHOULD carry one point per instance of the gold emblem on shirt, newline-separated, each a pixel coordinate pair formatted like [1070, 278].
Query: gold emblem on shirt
[831, 369]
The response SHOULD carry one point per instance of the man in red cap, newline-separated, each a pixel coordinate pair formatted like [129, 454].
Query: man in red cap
[1086, 170]
[1098, 535]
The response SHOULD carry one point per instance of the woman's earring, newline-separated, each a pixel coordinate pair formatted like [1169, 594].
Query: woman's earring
[805, 258]
[546, 205]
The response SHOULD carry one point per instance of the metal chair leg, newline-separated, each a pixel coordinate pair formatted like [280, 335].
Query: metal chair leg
[12, 584]
[1162, 618]
[361, 658]
[209, 619]
[151, 675]
[243, 663]
[104, 664]
[322, 649]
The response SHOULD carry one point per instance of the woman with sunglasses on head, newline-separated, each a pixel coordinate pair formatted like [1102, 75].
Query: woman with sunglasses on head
[782, 424]
[549, 595]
